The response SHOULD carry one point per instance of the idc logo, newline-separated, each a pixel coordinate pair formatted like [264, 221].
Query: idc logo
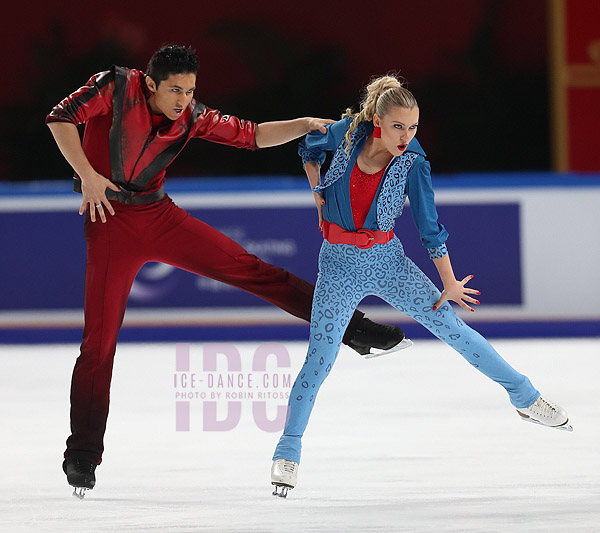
[227, 387]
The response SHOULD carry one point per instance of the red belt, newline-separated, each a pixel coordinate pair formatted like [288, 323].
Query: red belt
[362, 238]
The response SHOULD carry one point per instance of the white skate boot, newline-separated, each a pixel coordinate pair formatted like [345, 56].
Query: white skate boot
[284, 475]
[546, 413]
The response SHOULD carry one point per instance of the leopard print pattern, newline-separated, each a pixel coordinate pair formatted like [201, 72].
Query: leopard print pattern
[393, 191]
[340, 160]
[438, 251]
[307, 155]
[346, 275]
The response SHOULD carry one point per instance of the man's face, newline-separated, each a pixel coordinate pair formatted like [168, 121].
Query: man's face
[172, 96]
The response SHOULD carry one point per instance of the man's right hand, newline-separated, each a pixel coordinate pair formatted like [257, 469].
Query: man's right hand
[93, 185]
[93, 188]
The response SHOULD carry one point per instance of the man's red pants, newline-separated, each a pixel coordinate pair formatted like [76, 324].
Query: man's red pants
[116, 250]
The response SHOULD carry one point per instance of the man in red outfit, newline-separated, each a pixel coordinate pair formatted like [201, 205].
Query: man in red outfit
[136, 124]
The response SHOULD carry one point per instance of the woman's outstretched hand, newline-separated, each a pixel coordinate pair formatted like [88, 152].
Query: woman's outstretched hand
[457, 292]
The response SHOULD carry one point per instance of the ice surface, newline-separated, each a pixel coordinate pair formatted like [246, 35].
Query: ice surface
[416, 441]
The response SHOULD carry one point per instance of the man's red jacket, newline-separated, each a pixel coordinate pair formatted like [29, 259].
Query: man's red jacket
[118, 139]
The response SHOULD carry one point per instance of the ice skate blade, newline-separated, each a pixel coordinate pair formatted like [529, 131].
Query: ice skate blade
[284, 490]
[79, 492]
[405, 343]
[565, 427]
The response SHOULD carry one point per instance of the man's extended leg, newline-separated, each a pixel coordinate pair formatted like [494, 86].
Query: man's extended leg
[195, 246]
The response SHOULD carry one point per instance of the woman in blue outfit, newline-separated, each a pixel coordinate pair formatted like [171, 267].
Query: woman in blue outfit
[377, 163]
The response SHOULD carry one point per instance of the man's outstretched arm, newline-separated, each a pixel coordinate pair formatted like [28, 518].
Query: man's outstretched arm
[282, 131]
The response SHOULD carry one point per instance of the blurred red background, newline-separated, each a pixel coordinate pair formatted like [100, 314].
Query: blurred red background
[479, 69]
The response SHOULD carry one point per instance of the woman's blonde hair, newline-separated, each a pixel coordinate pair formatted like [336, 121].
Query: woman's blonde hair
[381, 95]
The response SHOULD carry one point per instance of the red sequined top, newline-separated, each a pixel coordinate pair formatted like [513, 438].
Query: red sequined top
[363, 188]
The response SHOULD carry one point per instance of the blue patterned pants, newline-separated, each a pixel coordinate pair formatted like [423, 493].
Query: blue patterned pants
[348, 274]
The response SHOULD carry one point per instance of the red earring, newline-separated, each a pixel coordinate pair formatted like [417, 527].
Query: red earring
[377, 132]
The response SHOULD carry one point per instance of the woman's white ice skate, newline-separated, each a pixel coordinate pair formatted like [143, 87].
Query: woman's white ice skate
[546, 413]
[284, 475]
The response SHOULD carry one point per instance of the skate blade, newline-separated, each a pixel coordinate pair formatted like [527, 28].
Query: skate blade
[565, 427]
[405, 343]
[79, 492]
[284, 490]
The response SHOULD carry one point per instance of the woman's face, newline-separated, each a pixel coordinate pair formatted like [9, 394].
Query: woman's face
[398, 127]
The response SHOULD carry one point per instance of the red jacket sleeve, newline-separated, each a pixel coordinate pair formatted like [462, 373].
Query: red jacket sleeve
[213, 126]
[91, 100]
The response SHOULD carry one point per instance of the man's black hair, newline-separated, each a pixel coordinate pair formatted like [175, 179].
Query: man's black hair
[172, 59]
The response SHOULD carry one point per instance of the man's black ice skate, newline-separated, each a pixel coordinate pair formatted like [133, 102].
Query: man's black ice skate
[372, 339]
[80, 475]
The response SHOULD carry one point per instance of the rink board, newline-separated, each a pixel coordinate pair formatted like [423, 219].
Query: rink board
[522, 236]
